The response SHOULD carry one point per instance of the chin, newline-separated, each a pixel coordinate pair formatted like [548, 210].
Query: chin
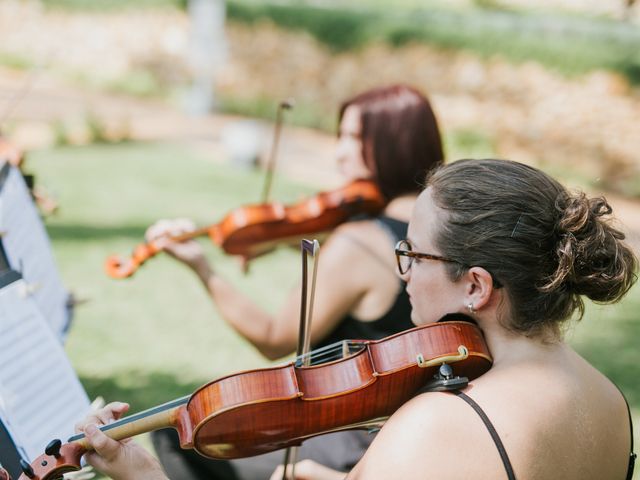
[416, 319]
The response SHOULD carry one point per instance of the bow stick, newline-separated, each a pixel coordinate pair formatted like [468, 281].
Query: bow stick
[308, 247]
[284, 105]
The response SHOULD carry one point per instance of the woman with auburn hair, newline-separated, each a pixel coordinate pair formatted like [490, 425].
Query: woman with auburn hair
[509, 247]
[389, 135]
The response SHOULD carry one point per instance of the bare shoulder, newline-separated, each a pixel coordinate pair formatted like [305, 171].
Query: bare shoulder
[552, 421]
[362, 235]
[361, 229]
[434, 435]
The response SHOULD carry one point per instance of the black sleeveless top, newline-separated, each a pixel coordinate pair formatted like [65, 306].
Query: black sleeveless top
[397, 318]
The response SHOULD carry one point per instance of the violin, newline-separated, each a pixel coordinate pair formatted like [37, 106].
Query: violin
[352, 384]
[254, 230]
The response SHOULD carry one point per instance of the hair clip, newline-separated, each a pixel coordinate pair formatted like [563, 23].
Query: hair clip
[513, 232]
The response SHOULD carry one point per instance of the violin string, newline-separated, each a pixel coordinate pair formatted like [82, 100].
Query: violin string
[321, 354]
[333, 351]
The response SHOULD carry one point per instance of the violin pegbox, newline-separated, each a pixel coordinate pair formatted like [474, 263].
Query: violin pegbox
[57, 460]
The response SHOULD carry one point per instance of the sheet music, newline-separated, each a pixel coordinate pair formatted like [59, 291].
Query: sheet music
[27, 247]
[41, 397]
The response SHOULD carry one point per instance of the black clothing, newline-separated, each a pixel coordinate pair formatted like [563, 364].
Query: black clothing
[340, 451]
[397, 318]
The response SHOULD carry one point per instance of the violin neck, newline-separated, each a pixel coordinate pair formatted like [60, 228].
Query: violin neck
[189, 235]
[156, 418]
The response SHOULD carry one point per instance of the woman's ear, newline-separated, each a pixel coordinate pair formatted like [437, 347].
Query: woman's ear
[479, 287]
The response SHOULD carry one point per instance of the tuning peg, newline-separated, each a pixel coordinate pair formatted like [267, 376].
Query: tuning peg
[53, 448]
[27, 470]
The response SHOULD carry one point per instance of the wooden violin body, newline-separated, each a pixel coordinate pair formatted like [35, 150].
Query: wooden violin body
[253, 230]
[294, 403]
[352, 384]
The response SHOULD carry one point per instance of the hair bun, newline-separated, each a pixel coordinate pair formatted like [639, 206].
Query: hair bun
[577, 212]
[585, 242]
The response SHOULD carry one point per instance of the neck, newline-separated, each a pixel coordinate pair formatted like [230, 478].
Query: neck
[508, 348]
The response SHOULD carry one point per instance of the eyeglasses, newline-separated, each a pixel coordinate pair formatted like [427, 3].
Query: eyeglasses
[405, 256]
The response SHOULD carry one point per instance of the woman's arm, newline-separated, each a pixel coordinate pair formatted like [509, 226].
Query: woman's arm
[342, 280]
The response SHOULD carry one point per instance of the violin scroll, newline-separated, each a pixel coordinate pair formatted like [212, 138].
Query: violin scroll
[117, 267]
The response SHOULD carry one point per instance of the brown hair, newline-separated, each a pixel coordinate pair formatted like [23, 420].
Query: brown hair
[547, 246]
[400, 137]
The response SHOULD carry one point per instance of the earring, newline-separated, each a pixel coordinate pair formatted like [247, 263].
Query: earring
[470, 308]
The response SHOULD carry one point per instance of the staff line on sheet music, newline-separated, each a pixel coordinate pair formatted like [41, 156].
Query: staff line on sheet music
[36, 411]
[33, 426]
[22, 341]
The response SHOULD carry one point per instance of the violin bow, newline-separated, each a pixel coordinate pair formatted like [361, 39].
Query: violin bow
[307, 247]
[271, 162]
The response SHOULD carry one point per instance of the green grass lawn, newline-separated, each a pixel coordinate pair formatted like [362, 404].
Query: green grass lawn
[156, 336]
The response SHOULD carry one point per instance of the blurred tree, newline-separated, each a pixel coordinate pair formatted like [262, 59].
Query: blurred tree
[207, 52]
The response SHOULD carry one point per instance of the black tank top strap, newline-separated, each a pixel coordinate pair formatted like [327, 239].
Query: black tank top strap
[397, 229]
[492, 431]
[632, 454]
